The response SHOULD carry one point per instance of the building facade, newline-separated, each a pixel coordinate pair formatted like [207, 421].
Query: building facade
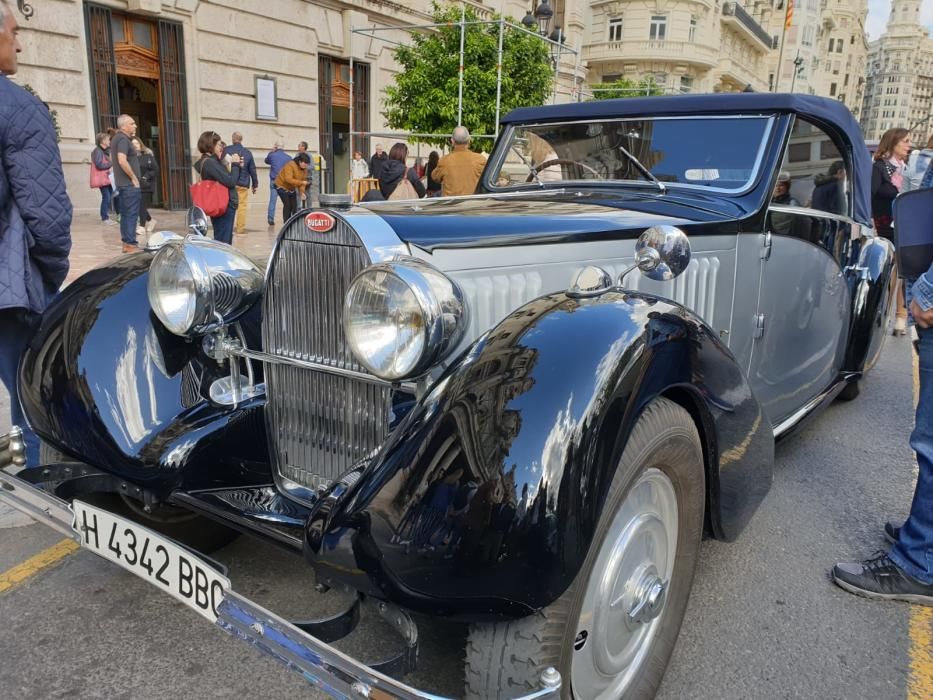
[684, 45]
[275, 70]
[899, 85]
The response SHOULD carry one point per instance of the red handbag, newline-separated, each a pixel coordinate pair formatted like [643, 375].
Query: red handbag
[211, 196]
[99, 178]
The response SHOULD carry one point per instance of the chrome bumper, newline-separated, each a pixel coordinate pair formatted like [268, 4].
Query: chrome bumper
[323, 666]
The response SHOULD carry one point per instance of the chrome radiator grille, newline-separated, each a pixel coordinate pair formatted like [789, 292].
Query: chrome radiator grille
[319, 424]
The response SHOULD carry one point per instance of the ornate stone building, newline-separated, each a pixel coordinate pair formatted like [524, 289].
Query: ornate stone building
[685, 45]
[899, 87]
[276, 69]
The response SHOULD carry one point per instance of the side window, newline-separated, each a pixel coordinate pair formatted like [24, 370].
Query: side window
[813, 173]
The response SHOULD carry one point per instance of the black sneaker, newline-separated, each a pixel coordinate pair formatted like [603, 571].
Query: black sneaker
[892, 533]
[880, 578]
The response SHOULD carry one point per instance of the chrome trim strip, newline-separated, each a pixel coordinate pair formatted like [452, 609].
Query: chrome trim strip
[794, 419]
[324, 667]
[238, 351]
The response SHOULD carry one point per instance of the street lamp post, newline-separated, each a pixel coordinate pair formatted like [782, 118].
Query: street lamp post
[538, 19]
[798, 62]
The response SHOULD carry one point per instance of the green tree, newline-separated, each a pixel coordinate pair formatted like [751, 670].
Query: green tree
[646, 87]
[423, 98]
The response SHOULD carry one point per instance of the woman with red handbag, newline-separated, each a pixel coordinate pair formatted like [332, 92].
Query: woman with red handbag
[100, 175]
[216, 193]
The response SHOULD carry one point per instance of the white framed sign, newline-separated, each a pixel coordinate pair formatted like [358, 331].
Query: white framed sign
[266, 107]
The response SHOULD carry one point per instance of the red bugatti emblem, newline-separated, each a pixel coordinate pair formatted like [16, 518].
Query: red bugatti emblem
[320, 221]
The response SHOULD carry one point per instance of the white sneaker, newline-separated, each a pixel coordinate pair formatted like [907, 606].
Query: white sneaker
[900, 326]
[140, 231]
[150, 225]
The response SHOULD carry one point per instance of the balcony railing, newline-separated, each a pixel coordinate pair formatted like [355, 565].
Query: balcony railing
[734, 9]
[680, 51]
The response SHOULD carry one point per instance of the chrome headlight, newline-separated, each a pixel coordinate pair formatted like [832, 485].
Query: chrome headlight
[197, 283]
[403, 317]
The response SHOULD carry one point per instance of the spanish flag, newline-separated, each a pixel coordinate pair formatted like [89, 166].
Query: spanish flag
[789, 17]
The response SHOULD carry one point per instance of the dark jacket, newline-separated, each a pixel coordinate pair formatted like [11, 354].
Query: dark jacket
[101, 158]
[433, 185]
[35, 212]
[883, 193]
[376, 164]
[148, 172]
[210, 168]
[247, 165]
[828, 195]
[392, 172]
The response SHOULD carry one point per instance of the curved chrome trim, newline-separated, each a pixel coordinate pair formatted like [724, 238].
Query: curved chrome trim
[379, 239]
[807, 211]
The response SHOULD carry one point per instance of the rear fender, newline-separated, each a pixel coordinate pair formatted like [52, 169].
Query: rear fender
[105, 383]
[872, 285]
[485, 499]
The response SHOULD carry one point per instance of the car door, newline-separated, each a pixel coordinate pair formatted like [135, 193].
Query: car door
[803, 311]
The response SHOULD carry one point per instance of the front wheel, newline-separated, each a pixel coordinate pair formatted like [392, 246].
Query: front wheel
[612, 632]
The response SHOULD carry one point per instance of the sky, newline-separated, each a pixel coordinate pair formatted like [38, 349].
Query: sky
[878, 11]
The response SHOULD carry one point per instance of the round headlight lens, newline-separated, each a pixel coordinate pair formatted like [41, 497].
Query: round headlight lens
[401, 318]
[385, 325]
[172, 291]
[196, 284]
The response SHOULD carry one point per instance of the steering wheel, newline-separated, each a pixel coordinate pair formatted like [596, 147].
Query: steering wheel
[563, 161]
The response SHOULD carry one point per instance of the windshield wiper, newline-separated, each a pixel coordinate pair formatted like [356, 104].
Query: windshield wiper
[644, 171]
[531, 168]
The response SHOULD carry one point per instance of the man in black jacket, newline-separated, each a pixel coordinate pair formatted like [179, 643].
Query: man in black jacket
[246, 179]
[35, 220]
[377, 162]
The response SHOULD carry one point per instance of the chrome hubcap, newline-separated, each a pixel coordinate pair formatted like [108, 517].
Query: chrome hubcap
[623, 606]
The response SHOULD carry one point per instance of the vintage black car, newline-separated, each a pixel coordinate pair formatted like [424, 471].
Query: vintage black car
[521, 409]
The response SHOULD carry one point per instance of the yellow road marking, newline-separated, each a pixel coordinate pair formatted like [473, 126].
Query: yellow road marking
[920, 623]
[32, 566]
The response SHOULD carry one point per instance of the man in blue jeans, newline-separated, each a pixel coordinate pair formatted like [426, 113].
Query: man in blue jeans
[906, 571]
[35, 220]
[126, 177]
[276, 160]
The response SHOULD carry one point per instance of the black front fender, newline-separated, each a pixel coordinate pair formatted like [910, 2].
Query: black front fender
[104, 382]
[487, 496]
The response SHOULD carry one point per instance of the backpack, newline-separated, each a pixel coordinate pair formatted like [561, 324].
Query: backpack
[404, 189]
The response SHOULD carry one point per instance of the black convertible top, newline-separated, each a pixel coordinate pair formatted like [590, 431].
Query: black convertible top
[817, 109]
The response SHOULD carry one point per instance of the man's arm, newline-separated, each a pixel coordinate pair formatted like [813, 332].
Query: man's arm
[34, 170]
[251, 169]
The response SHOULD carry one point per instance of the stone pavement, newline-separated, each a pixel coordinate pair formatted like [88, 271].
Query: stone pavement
[94, 243]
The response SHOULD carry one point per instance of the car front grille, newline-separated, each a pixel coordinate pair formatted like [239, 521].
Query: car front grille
[319, 424]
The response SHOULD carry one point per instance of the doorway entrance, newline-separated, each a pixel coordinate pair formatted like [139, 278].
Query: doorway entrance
[137, 68]
[336, 145]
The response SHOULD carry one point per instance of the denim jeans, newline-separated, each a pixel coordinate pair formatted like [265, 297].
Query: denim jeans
[106, 196]
[223, 226]
[273, 199]
[16, 329]
[129, 199]
[913, 551]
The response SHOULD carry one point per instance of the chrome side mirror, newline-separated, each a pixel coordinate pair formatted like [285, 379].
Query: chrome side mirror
[196, 221]
[661, 253]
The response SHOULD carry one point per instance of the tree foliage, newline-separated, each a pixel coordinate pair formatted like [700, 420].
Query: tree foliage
[423, 98]
[646, 87]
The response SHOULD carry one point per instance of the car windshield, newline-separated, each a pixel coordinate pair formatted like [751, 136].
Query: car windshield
[712, 152]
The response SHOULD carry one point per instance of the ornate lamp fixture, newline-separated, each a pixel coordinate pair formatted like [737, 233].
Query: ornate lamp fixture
[539, 19]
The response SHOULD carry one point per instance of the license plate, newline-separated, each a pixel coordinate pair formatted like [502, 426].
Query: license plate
[152, 557]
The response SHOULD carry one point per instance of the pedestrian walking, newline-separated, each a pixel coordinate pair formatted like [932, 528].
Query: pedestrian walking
[917, 165]
[126, 162]
[247, 182]
[148, 177]
[432, 186]
[905, 572]
[887, 181]
[397, 181]
[459, 171]
[291, 183]
[212, 166]
[276, 160]
[102, 174]
[377, 162]
[35, 220]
